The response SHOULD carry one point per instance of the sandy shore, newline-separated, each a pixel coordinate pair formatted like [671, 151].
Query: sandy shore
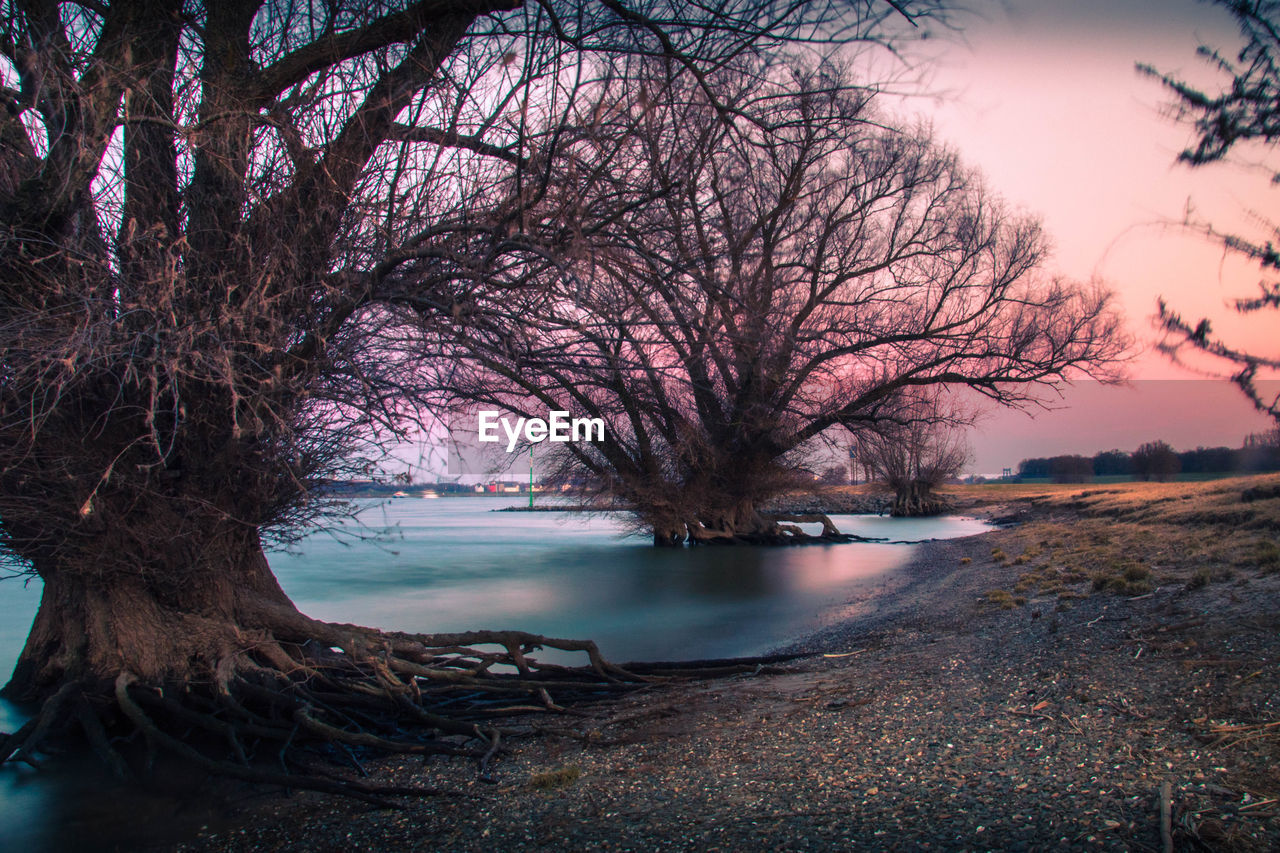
[929, 717]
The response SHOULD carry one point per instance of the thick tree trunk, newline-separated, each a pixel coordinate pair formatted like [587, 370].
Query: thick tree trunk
[916, 499]
[164, 623]
[191, 642]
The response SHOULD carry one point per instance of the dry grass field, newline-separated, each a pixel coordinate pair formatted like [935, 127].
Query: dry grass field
[1131, 538]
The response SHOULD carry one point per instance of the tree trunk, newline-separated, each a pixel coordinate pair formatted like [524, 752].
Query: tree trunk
[190, 641]
[916, 499]
[170, 620]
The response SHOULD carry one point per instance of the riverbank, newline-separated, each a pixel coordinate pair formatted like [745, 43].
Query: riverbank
[1037, 687]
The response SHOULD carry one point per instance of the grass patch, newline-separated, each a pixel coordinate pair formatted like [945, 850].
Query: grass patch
[1128, 538]
[1134, 572]
[1001, 598]
[560, 777]
[1267, 555]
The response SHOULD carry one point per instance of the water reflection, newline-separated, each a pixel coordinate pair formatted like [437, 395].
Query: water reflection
[452, 565]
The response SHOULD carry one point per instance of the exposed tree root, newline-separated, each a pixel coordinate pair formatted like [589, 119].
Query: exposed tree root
[915, 499]
[264, 713]
[747, 526]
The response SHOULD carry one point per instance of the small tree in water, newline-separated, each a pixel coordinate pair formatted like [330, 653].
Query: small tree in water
[913, 460]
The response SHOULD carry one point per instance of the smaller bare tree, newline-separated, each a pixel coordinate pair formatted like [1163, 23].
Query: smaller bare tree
[915, 458]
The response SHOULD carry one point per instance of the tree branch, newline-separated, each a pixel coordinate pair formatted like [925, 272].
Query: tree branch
[395, 28]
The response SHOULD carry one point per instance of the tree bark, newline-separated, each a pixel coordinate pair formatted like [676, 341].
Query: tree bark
[916, 499]
[165, 624]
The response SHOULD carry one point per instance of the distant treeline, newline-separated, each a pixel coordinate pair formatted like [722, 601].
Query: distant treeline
[1156, 460]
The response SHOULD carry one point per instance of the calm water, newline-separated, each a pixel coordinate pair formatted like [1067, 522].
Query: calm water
[450, 565]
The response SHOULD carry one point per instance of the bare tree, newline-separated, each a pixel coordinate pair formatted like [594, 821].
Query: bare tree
[214, 220]
[915, 458]
[790, 261]
[1246, 111]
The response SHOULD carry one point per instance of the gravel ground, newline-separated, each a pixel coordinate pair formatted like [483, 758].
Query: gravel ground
[928, 718]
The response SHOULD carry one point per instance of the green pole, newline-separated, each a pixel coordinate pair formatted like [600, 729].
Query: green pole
[531, 476]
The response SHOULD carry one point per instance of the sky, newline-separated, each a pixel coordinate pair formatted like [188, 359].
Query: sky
[1043, 98]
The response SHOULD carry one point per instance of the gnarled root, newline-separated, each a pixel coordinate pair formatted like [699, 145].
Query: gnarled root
[758, 528]
[261, 708]
[264, 711]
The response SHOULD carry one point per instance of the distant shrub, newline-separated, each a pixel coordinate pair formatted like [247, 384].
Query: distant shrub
[1071, 469]
[1156, 460]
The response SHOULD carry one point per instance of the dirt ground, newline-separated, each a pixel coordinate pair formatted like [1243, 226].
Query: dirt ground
[1101, 674]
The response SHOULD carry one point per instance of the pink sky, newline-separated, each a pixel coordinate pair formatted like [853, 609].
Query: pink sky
[1043, 98]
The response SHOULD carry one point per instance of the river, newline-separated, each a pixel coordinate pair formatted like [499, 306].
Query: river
[451, 564]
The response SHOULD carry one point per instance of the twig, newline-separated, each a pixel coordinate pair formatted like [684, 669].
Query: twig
[1242, 679]
[1259, 804]
[1030, 714]
[1166, 816]
[1248, 727]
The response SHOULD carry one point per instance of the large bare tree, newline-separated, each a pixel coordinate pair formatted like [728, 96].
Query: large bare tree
[791, 261]
[212, 222]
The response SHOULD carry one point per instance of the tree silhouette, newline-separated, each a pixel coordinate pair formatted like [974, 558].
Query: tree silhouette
[214, 221]
[780, 260]
[1156, 460]
[916, 458]
[1246, 111]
